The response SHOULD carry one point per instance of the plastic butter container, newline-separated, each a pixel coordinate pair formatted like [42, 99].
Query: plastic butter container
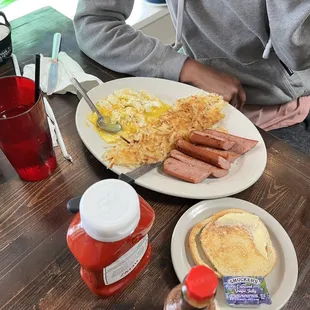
[246, 291]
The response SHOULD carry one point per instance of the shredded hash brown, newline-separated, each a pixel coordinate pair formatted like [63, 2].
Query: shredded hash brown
[158, 138]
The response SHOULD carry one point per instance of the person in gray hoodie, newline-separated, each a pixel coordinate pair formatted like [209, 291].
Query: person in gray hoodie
[256, 52]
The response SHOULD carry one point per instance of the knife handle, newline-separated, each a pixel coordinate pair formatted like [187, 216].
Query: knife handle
[56, 45]
[126, 178]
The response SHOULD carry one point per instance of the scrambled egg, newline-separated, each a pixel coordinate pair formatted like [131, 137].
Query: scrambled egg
[133, 110]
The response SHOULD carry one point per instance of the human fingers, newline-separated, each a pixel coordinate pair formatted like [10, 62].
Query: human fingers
[234, 101]
[241, 98]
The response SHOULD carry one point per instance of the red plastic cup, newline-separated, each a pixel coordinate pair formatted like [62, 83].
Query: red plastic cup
[25, 138]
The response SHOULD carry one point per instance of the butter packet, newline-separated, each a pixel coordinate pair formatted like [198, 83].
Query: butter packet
[246, 291]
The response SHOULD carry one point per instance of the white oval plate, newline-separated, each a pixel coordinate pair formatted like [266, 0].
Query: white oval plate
[281, 281]
[244, 173]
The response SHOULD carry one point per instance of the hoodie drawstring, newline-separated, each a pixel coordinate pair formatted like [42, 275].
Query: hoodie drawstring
[180, 15]
[267, 49]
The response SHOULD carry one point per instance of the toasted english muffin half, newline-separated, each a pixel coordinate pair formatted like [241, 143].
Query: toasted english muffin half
[236, 250]
[195, 245]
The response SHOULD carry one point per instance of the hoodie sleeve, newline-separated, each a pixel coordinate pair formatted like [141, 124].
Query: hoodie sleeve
[289, 22]
[103, 35]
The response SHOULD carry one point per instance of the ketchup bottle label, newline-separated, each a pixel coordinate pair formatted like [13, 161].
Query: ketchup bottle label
[126, 263]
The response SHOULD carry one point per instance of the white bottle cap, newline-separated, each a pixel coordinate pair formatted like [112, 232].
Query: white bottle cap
[110, 210]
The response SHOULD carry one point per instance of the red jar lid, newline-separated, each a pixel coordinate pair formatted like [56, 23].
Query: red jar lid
[201, 283]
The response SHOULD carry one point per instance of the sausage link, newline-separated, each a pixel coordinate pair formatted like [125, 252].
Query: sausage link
[202, 154]
[204, 138]
[242, 145]
[184, 171]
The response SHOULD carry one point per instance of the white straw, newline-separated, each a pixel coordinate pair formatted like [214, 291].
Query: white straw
[52, 130]
[50, 113]
[16, 65]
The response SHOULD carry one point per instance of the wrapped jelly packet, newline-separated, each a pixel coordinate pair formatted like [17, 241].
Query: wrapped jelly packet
[246, 291]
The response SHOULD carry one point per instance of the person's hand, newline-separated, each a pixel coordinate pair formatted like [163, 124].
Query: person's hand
[212, 81]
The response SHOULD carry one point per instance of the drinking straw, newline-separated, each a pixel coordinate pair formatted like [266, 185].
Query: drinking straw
[37, 77]
[16, 65]
[61, 142]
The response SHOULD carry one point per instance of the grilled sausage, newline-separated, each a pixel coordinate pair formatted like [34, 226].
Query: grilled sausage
[184, 171]
[219, 173]
[228, 155]
[202, 154]
[215, 171]
[242, 145]
[204, 138]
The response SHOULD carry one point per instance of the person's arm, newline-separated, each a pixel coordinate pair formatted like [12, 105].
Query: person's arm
[289, 22]
[103, 35]
[213, 81]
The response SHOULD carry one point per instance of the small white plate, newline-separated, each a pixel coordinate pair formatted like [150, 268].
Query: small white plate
[281, 281]
[244, 172]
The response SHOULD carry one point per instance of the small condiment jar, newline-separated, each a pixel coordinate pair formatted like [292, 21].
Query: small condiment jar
[109, 236]
[196, 292]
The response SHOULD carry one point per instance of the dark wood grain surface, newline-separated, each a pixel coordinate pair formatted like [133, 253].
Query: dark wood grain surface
[37, 271]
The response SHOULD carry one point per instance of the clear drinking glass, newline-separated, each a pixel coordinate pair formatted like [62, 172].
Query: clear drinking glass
[24, 133]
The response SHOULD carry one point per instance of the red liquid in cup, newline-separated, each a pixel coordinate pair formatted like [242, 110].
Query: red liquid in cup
[24, 133]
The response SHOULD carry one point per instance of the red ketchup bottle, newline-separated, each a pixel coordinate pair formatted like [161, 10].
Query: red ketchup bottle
[109, 236]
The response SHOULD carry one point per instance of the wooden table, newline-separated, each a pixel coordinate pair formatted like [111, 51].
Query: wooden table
[37, 271]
